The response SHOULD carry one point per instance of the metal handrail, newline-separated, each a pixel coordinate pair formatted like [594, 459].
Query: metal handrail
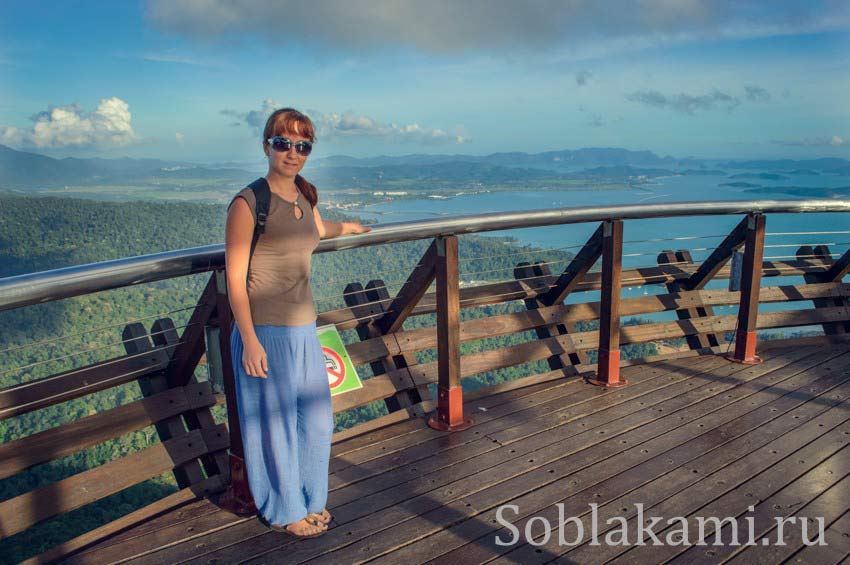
[46, 286]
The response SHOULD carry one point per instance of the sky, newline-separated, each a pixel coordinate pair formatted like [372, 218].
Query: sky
[194, 80]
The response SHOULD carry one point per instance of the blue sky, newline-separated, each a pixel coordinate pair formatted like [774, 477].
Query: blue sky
[191, 80]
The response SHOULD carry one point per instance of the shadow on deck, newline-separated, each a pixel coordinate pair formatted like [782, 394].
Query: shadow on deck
[694, 437]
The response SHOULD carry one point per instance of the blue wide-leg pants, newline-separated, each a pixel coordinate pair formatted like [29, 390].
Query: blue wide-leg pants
[287, 422]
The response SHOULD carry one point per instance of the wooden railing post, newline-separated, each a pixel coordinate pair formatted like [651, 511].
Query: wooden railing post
[718, 258]
[164, 334]
[608, 362]
[575, 271]
[746, 336]
[695, 341]
[237, 498]
[833, 274]
[838, 269]
[449, 415]
[137, 340]
[565, 362]
[365, 304]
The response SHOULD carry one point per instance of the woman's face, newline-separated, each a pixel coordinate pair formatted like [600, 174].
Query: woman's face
[287, 163]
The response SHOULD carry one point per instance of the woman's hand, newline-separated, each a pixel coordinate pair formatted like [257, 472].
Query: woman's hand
[254, 359]
[354, 228]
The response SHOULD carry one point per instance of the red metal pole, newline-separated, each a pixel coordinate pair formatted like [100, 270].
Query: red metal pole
[608, 368]
[449, 415]
[745, 336]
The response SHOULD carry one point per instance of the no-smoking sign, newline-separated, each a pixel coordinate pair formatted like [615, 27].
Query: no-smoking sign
[341, 374]
[335, 367]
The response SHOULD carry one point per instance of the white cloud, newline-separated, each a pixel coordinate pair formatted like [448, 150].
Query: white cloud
[756, 93]
[582, 77]
[174, 58]
[332, 125]
[826, 141]
[179, 137]
[594, 119]
[449, 26]
[108, 125]
[685, 103]
[254, 118]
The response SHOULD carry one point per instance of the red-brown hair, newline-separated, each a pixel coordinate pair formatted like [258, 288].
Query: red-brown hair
[289, 121]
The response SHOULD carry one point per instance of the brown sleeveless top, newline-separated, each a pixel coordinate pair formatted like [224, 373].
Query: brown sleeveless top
[279, 274]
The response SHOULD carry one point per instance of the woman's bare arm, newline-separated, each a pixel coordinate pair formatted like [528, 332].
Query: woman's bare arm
[239, 232]
[328, 230]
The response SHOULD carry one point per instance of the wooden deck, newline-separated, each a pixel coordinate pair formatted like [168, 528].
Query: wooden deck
[690, 437]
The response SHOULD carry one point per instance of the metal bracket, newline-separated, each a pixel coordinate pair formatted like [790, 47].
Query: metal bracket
[215, 370]
[441, 245]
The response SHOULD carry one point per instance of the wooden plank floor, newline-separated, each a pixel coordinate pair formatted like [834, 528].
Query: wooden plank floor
[688, 438]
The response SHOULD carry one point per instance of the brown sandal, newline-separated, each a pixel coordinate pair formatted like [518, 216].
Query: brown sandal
[319, 516]
[285, 530]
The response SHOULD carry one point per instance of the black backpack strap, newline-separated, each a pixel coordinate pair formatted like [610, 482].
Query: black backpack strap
[263, 197]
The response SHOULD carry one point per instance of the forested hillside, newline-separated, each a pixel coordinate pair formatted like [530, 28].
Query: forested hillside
[45, 233]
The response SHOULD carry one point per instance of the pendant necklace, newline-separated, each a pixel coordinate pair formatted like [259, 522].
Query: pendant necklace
[295, 205]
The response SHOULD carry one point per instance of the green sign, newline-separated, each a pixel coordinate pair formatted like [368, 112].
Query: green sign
[341, 374]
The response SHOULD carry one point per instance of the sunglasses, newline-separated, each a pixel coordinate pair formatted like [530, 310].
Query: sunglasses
[282, 145]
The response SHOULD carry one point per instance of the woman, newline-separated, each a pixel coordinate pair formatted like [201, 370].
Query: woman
[281, 381]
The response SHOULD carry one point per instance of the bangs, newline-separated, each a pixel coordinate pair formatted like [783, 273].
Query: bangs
[292, 122]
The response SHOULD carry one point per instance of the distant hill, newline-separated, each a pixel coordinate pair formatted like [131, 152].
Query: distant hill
[24, 170]
[759, 176]
[21, 170]
[702, 172]
[831, 164]
[625, 171]
[564, 159]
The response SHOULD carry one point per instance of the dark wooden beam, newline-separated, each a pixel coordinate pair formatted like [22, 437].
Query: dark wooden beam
[564, 361]
[838, 269]
[411, 293]
[136, 340]
[191, 348]
[698, 341]
[377, 292]
[821, 252]
[223, 320]
[365, 303]
[163, 334]
[718, 257]
[449, 415]
[575, 271]
[746, 337]
[608, 363]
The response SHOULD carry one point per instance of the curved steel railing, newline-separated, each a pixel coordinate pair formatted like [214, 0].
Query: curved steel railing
[57, 284]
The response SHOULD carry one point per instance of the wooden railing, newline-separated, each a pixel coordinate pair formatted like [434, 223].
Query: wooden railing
[206, 457]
